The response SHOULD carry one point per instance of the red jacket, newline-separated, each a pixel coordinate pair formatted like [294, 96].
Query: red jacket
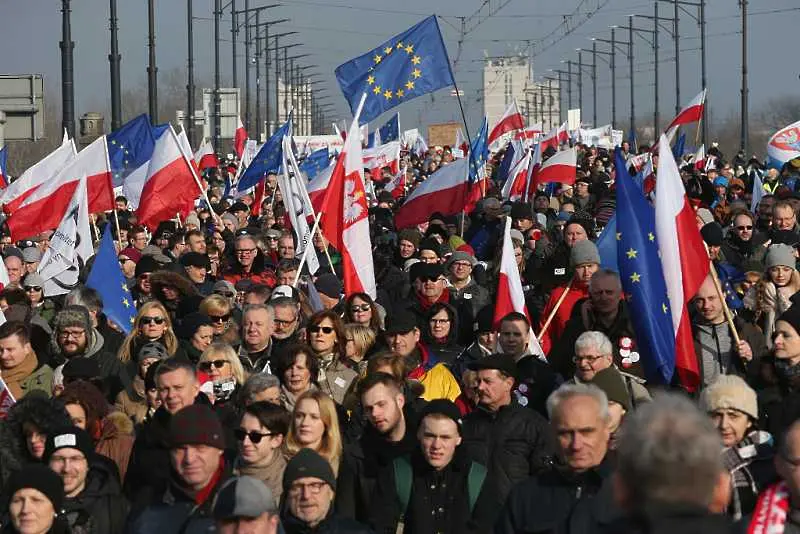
[556, 328]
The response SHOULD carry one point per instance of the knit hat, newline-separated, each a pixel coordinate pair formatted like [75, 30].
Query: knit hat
[712, 234]
[153, 349]
[39, 477]
[131, 253]
[31, 255]
[74, 316]
[231, 217]
[147, 264]
[223, 286]
[730, 392]
[308, 463]
[443, 407]
[521, 211]
[196, 425]
[431, 244]
[792, 316]
[516, 235]
[329, 285]
[584, 252]
[33, 280]
[613, 385]
[461, 256]
[720, 181]
[780, 255]
[195, 259]
[70, 437]
[410, 235]
[192, 218]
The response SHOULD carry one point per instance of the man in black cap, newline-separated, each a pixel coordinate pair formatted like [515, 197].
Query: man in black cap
[436, 488]
[430, 287]
[330, 290]
[712, 235]
[513, 442]
[245, 505]
[484, 344]
[241, 212]
[197, 266]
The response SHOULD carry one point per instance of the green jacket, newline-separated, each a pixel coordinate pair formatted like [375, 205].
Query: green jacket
[39, 380]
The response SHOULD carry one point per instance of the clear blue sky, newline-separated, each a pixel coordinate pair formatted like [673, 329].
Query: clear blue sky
[337, 30]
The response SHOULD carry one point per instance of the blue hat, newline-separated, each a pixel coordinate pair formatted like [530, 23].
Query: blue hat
[720, 180]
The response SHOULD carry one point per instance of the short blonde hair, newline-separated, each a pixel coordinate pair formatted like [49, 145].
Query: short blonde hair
[227, 352]
[215, 304]
[363, 337]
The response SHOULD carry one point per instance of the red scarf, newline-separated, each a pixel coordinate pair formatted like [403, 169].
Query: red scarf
[202, 496]
[426, 304]
[769, 515]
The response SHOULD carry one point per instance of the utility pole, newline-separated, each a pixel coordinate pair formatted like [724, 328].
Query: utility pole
[703, 65]
[247, 67]
[258, 77]
[745, 122]
[277, 74]
[630, 73]
[217, 99]
[190, 105]
[654, 43]
[569, 84]
[594, 83]
[677, 60]
[592, 66]
[114, 59]
[67, 72]
[152, 70]
[612, 66]
[580, 81]
[234, 33]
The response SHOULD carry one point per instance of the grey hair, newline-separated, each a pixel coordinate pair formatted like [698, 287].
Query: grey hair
[570, 391]
[669, 452]
[593, 338]
[606, 273]
[265, 307]
[257, 383]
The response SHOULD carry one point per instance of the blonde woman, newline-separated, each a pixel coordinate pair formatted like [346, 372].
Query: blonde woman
[152, 323]
[315, 425]
[218, 308]
[221, 363]
[360, 340]
[770, 297]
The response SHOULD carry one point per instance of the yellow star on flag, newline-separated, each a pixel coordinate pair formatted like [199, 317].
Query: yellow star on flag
[388, 50]
[619, 236]
[415, 60]
[664, 307]
[377, 58]
[409, 85]
[124, 288]
[416, 73]
[636, 278]
[631, 253]
[400, 45]
[650, 236]
[409, 49]
[400, 93]
[387, 94]
[376, 89]
[126, 303]
[370, 79]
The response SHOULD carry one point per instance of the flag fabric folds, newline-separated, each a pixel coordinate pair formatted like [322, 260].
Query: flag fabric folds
[130, 148]
[691, 113]
[267, 160]
[478, 156]
[406, 66]
[784, 145]
[239, 138]
[510, 121]
[44, 170]
[561, 167]
[106, 277]
[297, 203]
[205, 156]
[390, 131]
[643, 281]
[4, 167]
[315, 163]
[444, 191]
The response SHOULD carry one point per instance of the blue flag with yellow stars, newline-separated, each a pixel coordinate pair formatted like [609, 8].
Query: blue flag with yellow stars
[643, 281]
[267, 160]
[391, 130]
[130, 147]
[479, 152]
[315, 163]
[406, 66]
[106, 277]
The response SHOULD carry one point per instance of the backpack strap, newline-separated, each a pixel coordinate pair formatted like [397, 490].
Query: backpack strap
[403, 478]
[475, 480]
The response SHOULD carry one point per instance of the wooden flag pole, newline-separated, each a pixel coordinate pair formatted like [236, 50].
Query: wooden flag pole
[554, 310]
[725, 309]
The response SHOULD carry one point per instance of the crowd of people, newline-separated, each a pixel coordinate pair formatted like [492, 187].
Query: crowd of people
[251, 395]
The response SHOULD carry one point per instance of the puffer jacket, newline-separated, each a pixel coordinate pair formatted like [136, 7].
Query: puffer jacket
[100, 508]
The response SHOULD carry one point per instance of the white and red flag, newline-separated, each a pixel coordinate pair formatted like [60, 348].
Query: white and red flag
[387, 155]
[397, 185]
[461, 143]
[318, 185]
[561, 167]
[699, 158]
[345, 220]
[516, 184]
[555, 138]
[691, 113]
[511, 120]
[239, 138]
[171, 186]
[205, 156]
[43, 208]
[444, 191]
[7, 400]
[529, 134]
[682, 257]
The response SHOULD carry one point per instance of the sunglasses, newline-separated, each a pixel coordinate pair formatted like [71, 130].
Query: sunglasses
[741, 228]
[424, 279]
[150, 320]
[217, 364]
[33, 288]
[361, 308]
[220, 318]
[255, 437]
[318, 329]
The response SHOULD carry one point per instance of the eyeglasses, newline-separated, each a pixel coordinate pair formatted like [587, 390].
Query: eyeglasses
[123, 260]
[220, 318]
[318, 329]
[439, 321]
[33, 288]
[462, 264]
[245, 250]
[66, 334]
[424, 279]
[150, 320]
[255, 437]
[272, 238]
[360, 308]
[313, 488]
[217, 364]
[281, 322]
[588, 359]
[742, 228]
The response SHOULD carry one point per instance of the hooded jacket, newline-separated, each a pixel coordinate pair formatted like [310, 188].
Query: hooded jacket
[100, 507]
[185, 288]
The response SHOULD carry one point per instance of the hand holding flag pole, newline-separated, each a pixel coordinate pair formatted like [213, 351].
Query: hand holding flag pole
[721, 294]
[553, 312]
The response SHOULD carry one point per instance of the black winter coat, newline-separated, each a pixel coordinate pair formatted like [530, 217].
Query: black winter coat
[559, 501]
[100, 508]
[670, 519]
[330, 525]
[149, 464]
[513, 443]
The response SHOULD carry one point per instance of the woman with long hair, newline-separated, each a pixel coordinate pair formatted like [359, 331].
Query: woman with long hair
[361, 309]
[218, 309]
[152, 323]
[297, 369]
[327, 339]
[315, 425]
[770, 297]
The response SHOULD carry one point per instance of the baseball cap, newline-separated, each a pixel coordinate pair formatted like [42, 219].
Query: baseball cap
[243, 496]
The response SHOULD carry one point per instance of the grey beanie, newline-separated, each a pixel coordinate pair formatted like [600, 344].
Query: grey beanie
[33, 280]
[584, 251]
[780, 255]
[72, 315]
[460, 255]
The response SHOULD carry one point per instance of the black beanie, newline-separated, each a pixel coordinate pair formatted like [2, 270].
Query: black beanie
[39, 477]
[70, 437]
[147, 264]
[712, 234]
[792, 316]
[308, 463]
[431, 244]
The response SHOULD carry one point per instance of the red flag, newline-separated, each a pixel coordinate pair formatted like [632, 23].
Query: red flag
[444, 191]
[691, 113]
[258, 197]
[561, 167]
[345, 221]
[239, 138]
[170, 186]
[6, 398]
[43, 208]
[514, 188]
[43, 171]
[510, 121]
[205, 156]
[530, 132]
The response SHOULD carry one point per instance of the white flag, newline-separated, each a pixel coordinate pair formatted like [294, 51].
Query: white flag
[758, 192]
[297, 203]
[70, 246]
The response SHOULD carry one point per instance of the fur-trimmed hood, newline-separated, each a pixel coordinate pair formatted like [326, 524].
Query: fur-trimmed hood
[161, 279]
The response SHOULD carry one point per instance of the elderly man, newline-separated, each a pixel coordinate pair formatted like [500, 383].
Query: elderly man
[670, 474]
[197, 468]
[249, 263]
[15, 269]
[286, 246]
[261, 387]
[19, 365]
[783, 217]
[511, 441]
[579, 493]
[258, 325]
[463, 287]
[287, 322]
[245, 505]
[310, 488]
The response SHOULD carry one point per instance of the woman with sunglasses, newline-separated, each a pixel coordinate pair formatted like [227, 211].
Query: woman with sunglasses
[325, 332]
[360, 342]
[33, 285]
[152, 323]
[441, 331]
[218, 309]
[315, 425]
[360, 308]
[297, 369]
[220, 362]
[260, 436]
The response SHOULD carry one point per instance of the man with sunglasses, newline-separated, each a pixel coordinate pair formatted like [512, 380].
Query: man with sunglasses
[430, 286]
[743, 245]
[249, 263]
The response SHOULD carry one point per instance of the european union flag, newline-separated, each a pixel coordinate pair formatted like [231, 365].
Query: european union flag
[505, 165]
[267, 160]
[607, 245]
[130, 147]
[391, 130]
[4, 166]
[643, 279]
[406, 66]
[106, 277]
[679, 146]
[479, 152]
[729, 275]
[315, 163]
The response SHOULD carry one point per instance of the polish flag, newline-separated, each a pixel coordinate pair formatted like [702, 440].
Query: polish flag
[43, 171]
[683, 259]
[205, 156]
[171, 186]
[239, 138]
[510, 297]
[461, 143]
[43, 208]
[561, 167]
[691, 113]
[316, 188]
[186, 148]
[534, 165]
[397, 185]
[529, 133]
[552, 139]
[375, 159]
[699, 158]
[345, 222]
[444, 191]
[511, 120]
[516, 184]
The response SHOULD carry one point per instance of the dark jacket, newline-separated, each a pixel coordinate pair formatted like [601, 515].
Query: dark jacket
[474, 295]
[100, 508]
[464, 317]
[747, 332]
[536, 380]
[513, 443]
[745, 255]
[779, 406]
[439, 500]
[559, 501]
[149, 465]
[332, 524]
[670, 519]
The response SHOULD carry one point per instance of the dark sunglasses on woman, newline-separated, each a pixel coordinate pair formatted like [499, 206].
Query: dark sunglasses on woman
[206, 366]
[317, 329]
[150, 320]
[255, 437]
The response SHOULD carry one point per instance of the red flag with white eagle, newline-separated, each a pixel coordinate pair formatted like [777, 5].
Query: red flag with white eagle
[561, 167]
[239, 138]
[345, 220]
[511, 120]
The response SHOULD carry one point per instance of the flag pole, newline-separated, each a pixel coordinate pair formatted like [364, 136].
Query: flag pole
[116, 221]
[196, 179]
[725, 309]
[305, 253]
[554, 310]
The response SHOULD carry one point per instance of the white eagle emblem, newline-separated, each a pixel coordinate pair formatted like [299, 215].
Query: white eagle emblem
[353, 208]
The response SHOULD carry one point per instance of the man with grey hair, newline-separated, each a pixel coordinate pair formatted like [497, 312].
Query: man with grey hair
[577, 493]
[249, 263]
[261, 387]
[258, 325]
[670, 474]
